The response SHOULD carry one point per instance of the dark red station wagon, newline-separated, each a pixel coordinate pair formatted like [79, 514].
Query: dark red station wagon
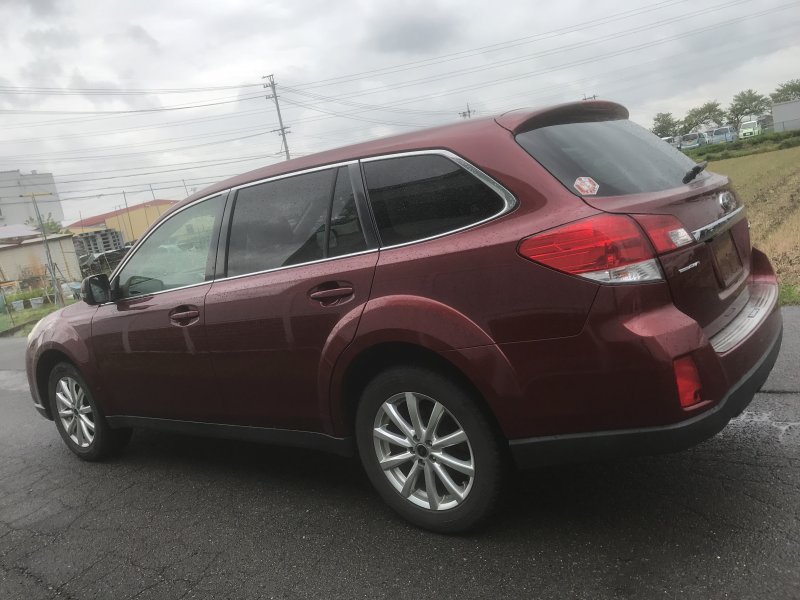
[545, 286]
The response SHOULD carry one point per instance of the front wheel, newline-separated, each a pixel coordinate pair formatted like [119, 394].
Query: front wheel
[428, 449]
[78, 419]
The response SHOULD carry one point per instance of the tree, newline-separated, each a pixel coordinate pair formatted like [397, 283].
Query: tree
[665, 125]
[708, 113]
[747, 102]
[787, 91]
[50, 225]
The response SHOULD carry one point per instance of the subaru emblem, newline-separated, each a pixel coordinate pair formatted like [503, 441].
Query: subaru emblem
[727, 201]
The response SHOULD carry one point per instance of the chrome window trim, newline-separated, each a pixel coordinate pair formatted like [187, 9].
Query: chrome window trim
[293, 174]
[510, 202]
[305, 264]
[508, 198]
[175, 289]
[135, 249]
[708, 231]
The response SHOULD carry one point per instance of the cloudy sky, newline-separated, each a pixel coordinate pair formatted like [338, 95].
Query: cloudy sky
[112, 96]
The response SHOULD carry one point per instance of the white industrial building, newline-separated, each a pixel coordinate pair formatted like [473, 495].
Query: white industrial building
[786, 115]
[23, 255]
[16, 206]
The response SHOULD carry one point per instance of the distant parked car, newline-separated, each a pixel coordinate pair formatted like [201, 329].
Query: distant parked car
[674, 141]
[750, 129]
[723, 134]
[693, 140]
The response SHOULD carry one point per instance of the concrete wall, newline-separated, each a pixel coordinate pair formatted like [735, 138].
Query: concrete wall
[16, 261]
[15, 208]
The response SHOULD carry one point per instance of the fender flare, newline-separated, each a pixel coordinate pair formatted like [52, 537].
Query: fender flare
[420, 322]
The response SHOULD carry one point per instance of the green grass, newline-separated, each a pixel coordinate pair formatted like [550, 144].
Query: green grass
[768, 184]
[789, 294]
[29, 316]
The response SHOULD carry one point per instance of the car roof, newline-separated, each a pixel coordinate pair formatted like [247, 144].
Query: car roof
[449, 137]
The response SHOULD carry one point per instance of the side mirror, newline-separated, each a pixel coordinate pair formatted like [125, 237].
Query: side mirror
[96, 290]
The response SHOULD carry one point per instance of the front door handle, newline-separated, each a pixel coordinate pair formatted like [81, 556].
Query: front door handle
[331, 294]
[184, 315]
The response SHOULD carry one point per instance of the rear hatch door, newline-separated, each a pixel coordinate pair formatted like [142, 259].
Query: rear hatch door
[619, 167]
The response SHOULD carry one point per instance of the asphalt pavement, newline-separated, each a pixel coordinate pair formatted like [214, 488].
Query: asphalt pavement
[184, 517]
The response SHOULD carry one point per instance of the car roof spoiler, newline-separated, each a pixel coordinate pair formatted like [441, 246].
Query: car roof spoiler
[585, 111]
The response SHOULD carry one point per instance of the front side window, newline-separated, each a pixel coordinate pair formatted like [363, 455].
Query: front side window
[416, 197]
[174, 255]
[293, 221]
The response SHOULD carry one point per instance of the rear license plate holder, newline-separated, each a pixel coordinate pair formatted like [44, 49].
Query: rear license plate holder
[727, 263]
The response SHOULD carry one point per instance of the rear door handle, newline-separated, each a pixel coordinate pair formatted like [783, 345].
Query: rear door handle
[332, 294]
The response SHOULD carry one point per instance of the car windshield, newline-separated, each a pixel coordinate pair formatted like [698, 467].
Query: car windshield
[606, 158]
[722, 131]
[691, 137]
[749, 125]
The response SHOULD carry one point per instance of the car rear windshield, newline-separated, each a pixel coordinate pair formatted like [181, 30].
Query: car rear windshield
[606, 158]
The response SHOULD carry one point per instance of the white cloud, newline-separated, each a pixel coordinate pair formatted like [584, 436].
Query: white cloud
[421, 61]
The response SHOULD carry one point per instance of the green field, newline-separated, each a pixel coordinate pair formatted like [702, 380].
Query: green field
[769, 184]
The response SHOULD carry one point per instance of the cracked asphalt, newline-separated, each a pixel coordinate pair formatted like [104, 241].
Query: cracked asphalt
[184, 517]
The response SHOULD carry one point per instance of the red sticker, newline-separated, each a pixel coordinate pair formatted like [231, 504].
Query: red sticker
[586, 186]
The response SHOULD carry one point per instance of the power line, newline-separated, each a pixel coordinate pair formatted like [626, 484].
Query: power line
[490, 47]
[14, 111]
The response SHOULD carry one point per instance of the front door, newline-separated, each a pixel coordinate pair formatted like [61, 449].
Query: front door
[150, 342]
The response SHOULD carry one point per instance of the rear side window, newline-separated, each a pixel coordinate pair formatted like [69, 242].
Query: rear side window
[416, 197]
[286, 222]
[619, 156]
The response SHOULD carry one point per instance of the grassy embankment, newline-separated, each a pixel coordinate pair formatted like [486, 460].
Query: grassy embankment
[769, 183]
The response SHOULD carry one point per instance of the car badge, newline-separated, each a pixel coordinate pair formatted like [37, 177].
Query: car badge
[727, 201]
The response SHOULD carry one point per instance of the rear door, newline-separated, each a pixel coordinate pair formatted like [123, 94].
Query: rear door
[291, 290]
[636, 174]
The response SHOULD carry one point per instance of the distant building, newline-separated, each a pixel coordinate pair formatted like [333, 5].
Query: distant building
[97, 242]
[786, 115]
[131, 222]
[23, 255]
[16, 206]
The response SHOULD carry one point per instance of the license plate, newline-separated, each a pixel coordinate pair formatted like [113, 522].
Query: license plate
[729, 265]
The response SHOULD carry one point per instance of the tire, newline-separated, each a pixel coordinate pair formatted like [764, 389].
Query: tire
[385, 430]
[81, 425]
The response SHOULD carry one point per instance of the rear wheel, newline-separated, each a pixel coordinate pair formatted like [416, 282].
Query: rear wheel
[78, 419]
[428, 449]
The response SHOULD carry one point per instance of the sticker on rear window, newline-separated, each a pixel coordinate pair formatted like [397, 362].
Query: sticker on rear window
[586, 186]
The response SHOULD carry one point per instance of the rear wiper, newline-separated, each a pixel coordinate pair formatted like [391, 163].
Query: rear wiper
[694, 171]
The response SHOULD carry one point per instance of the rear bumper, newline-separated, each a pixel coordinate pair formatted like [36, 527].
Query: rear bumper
[599, 445]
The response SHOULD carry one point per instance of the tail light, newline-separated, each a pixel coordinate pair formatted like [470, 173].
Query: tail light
[688, 381]
[665, 231]
[604, 248]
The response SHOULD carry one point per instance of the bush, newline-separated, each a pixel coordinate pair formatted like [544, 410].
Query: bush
[28, 294]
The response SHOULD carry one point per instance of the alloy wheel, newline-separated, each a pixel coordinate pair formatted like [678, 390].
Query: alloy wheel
[75, 411]
[423, 451]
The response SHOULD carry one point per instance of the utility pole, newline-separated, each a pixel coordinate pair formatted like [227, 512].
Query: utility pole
[50, 267]
[274, 96]
[185, 189]
[128, 211]
[592, 97]
[467, 114]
